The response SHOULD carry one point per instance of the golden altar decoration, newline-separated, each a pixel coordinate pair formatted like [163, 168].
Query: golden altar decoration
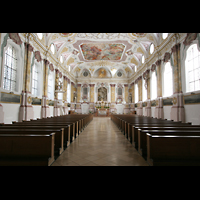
[102, 108]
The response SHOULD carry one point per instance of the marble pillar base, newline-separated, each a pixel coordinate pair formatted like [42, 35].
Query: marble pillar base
[26, 109]
[45, 110]
[159, 114]
[139, 108]
[148, 109]
[1, 114]
[178, 110]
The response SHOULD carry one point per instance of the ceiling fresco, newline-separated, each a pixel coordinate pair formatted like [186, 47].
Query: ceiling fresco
[102, 51]
[93, 50]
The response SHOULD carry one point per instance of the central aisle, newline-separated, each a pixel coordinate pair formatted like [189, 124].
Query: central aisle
[100, 144]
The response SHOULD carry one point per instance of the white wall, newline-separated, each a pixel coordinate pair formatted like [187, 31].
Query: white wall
[192, 113]
[153, 111]
[37, 112]
[51, 110]
[167, 111]
[11, 112]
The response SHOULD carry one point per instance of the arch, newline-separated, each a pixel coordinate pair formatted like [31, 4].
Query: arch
[95, 74]
[183, 53]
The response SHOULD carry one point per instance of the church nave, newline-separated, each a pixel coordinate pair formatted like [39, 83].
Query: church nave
[100, 144]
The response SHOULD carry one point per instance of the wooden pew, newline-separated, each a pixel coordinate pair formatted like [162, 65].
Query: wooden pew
[26, 149]
[48, 123]
[142, 139]
[135, 128]
[61, 126]
[173, 150]
[66, 137]
[132, 126]
[59, 135]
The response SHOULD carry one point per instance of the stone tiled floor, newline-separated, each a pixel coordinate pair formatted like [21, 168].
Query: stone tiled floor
[100, 144]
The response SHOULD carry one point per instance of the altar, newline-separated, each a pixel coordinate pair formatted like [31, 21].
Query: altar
[103, 112]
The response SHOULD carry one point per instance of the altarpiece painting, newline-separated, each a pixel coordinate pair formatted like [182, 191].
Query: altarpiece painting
[102, 94]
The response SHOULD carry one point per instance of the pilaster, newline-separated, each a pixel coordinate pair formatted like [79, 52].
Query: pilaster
[112, 93]
[56, 108]
[159, 102]
[26, 108]
[78, 93]
[177, 110]
[92, 92]
[45, 112]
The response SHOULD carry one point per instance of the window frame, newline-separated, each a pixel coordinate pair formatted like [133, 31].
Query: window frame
[40, 35]
[40, 79]
[165, 36]
[20, 66]
[144, 90]
[150, 48]
[136, 93]
[52, 74]
[163, 80]
[186, 85]
[11, 68]
[152, 97]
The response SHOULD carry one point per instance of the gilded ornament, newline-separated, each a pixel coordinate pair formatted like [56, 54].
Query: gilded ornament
[47, 101]
[29, 99]
[174, 100]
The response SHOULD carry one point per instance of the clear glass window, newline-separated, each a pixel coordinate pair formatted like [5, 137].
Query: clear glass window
[151, 48]
[164, 35]
[192, 69]
[136, 93]
[35, 78]
[153, 85]
[39, 35]
[168, 87]
[10, 69]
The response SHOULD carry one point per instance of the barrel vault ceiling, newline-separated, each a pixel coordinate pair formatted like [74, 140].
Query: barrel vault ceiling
[112, 51]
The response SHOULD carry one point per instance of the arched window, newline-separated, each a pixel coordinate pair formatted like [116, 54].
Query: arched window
[51, 85]
[151, 48]
[40, 35]
[68, 93]
[143, 59]
[61, 59]
[35, 81]
[52, 48]
[136, 93]
[192, 69]
[144, 91]
[164, 35]
[10, 69]
[153, 85]
[167, 80]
